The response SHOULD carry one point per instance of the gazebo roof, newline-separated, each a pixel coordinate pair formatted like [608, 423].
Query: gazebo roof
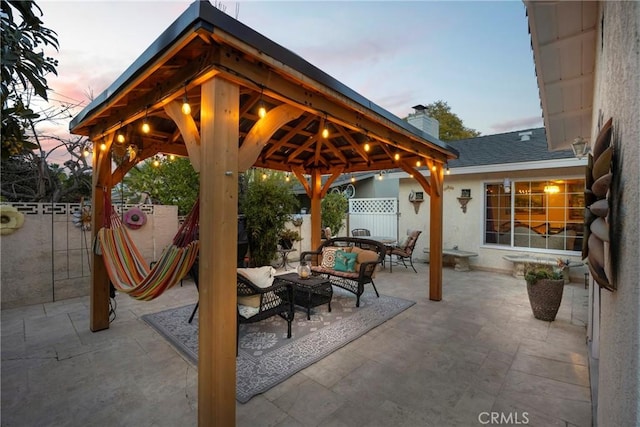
[205, 42]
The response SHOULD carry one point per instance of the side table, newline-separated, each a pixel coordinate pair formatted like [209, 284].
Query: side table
[284, 255]
[310, 292]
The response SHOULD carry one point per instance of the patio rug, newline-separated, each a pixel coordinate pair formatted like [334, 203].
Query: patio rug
[265, 356]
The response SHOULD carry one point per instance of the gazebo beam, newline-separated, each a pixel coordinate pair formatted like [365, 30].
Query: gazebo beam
[435, 234]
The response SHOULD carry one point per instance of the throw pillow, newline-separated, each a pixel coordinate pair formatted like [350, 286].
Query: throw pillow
[329, 255]
[345, 261]
[262, 277]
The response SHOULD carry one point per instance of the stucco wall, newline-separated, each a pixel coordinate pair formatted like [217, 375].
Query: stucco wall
[616, 95]
[48, 258]
[465, 230]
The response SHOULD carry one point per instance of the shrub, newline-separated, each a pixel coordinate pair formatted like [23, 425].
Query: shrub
[533, 273]
[334, 211]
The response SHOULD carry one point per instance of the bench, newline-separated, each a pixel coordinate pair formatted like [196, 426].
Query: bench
[519, 261]
[460, 258]
[370, 253]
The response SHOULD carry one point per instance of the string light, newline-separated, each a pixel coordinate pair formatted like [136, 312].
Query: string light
[172, 157]
[396, 157]
[120, 136]
[433, 168]
[86, 152]
[367, 147]
[264, 176]
[447, 170]
[186, 108]
[145, 124]
[418, 163]
[287, 177]
[262, 111]
[380, 176]
[103, 147]
[156, 162]
[353, 178]
[325, 131]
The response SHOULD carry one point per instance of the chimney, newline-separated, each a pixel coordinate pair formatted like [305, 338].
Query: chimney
[420, 119]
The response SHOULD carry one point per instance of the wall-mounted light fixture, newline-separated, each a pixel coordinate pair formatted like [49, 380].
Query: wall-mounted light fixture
[506, 184]
[580, 147]
[465, 197]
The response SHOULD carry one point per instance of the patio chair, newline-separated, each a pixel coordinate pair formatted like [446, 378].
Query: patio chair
[404, 250]
[359, 232]
[259, 296]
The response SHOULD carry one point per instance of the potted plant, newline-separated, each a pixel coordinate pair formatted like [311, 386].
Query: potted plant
[544, 288]
[287, 237]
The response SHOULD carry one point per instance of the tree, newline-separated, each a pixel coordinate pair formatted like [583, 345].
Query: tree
[334, 209]
[24, 67]
[170, 182]
[267, 203]
[28, 177]
[451, 126]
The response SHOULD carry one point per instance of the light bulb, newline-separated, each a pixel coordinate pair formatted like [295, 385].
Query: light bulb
[396, 157]
[353, 178]
[367, 147]
[103, 146]
[264, 176]
[433, 168]
[186, 108]
[262, 112]
[325, 132]
[86, 153]
[156, 163]
[172, 157]
[145, 127]
[380, 176]
[418, 163]
[120, 138]
[448, 171]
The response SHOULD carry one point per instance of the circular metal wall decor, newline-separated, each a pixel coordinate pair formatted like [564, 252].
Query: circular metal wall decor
[597, 219]
[134, 218]
[10, 219]
[82, 217]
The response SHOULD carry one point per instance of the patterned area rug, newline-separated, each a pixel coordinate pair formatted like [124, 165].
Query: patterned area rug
[265, 356]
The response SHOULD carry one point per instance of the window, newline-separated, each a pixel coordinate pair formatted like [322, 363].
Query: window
[535, 214]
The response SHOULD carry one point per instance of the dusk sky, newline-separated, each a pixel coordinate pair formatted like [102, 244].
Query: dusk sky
[474, 55]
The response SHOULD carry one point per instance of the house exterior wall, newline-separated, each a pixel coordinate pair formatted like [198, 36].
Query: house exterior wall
[616, 95]
[47, 259]
[465, 230]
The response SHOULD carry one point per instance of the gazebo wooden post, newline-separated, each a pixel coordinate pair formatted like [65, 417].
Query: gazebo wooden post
[101, 181]
[435, 233]
[316, 208]
[218, 244]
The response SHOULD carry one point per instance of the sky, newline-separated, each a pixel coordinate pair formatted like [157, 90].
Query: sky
[474, 55]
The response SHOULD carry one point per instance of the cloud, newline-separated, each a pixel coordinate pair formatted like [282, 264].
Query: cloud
[517, 124]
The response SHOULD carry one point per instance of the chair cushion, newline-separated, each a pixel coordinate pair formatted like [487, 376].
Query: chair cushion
[345, 261]
[262, 277]
[249, 301]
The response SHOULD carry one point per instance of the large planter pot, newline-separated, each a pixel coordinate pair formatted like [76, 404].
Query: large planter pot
[545, 296]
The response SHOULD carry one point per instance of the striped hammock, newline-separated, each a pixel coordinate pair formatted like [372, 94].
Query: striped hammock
[128, 270]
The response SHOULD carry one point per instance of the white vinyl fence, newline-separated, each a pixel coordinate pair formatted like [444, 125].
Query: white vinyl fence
[378, 215]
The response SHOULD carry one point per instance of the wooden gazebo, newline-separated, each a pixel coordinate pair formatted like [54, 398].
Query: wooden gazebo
[314, 126]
